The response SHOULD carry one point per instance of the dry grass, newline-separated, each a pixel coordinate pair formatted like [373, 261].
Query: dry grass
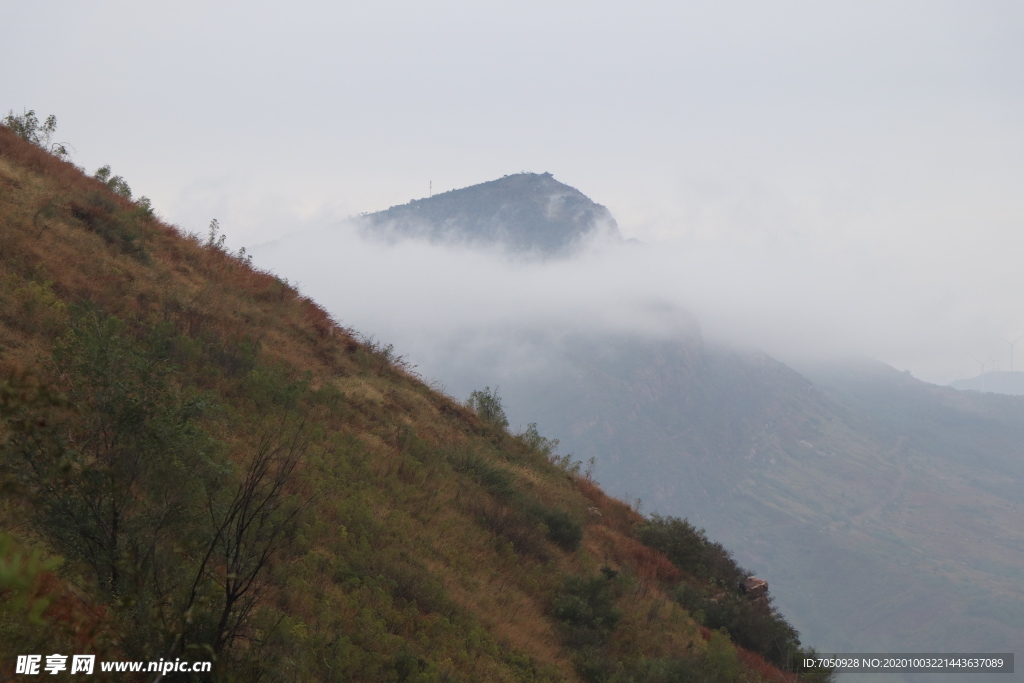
[650, 566]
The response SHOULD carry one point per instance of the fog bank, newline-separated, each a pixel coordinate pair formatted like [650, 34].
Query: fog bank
[791, 300]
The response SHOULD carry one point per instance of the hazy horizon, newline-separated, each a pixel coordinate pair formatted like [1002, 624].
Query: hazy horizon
[860, 159]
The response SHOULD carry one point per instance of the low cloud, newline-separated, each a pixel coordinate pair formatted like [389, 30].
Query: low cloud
[444, 305]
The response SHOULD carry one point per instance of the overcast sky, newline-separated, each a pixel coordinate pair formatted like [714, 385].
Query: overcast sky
[880, 140]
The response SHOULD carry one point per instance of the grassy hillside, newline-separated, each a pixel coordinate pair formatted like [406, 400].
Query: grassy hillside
[198, 463]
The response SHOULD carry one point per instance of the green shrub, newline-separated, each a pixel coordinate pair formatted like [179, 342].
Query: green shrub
[116, 183]
[671, 671]
[587, 610]
[514, 526]
[755, 627]
[27, 127]
[722, 605]
[534, 440]
[720, 662]
[494, 479]
[691, 551]
[487, 406]
[562, 529]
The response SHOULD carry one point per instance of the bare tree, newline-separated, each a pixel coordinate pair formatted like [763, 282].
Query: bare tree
[247, 531]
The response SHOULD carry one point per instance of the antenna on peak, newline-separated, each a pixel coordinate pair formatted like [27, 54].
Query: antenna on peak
[430, 192]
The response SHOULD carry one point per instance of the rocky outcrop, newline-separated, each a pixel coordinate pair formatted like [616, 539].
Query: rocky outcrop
[756, 591]
[754, 588]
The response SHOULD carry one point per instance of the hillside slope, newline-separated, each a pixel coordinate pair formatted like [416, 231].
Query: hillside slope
[198, 463]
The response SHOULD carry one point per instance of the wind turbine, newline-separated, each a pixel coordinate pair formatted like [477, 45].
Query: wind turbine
[981, 363]
[1011, 343]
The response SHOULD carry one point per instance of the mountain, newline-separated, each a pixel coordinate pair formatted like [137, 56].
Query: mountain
[523, 212]
[198, 465]
[884, 511]
[1011, 383]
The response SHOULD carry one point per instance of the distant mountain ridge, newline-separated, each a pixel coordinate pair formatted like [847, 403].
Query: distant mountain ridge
[1011, 383]
[523, 212]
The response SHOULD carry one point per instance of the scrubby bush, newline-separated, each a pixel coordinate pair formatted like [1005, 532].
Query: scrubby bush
[115, 182]
[548, 448]
[487, 406]
[541, 444]
[715, 597]
[562, 529]
[27, 127]
[691, 551]
[514, 526]
[587, 610]
[752, 626]
[495, 479]
[119, 186]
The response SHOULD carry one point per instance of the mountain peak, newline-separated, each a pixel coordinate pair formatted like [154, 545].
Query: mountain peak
[523, 212]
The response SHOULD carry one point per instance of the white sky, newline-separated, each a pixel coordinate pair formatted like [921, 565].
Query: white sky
[875, 139]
